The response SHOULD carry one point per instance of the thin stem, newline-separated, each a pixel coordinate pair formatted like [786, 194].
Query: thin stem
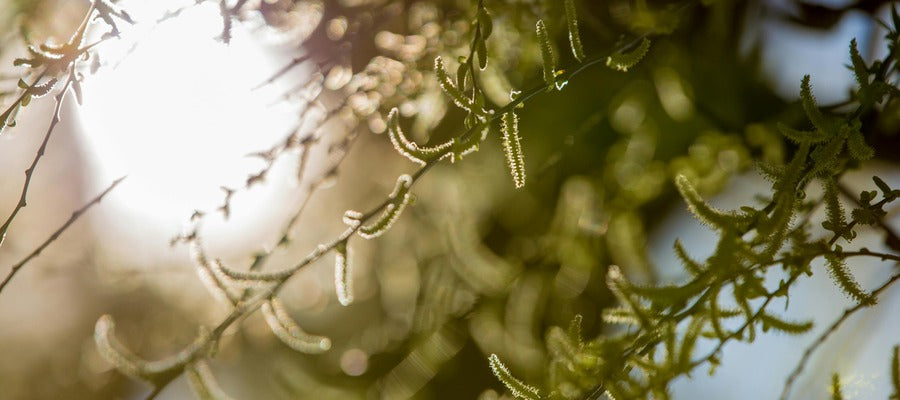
[789, 383]
[892, 240]
[74, 217]
[29, 173]
[293, 63]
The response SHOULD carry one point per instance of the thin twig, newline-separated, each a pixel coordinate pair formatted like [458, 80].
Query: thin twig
[74, 217]
[293, 63]
[789, 383]
[892, 240]
[29, 173]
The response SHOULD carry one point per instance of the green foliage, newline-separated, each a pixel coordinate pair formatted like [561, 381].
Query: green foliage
[500, 277]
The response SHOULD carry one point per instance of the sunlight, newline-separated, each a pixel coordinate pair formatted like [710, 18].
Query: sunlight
[173, 109]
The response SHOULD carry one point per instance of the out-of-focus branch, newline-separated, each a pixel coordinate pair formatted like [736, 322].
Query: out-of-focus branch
[789, 383]
[74, 217]
[29, 173]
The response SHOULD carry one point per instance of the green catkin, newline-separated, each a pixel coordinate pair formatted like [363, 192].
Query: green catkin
[703, 211]
[343, 279]
[518, 388]
[450, 89]
[574, 36]
[512, 147]
[547, 55]
[835, 388]
[858, 148]
[284, 327]
[408, 148]
[624, 61]
[799, 137]
[808, 101]
[833, 209]
[251, 279]
[790, 327]
[399, 199]
[859, 66]
[129, 363]
[844, 279]
[689, 264]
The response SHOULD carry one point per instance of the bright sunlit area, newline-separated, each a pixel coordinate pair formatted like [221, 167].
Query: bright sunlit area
[180, 114]
[449, 199]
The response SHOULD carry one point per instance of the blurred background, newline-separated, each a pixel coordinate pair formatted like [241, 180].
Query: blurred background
[475, 266]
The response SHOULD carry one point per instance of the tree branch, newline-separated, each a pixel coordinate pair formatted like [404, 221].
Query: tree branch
[75, 215]
[789, 383]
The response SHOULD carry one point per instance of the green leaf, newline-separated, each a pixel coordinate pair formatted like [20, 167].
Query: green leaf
[624, 61]
[6, 119]
[481, 51]
[574, 35]
[462, 72]
[518, 388]
[512, 147]
[485, 22]
[885, 189]
[547, 55]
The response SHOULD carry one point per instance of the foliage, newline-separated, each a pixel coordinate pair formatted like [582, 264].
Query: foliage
[588, 237]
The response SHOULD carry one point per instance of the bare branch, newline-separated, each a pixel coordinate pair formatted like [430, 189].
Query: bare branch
[75, 215]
